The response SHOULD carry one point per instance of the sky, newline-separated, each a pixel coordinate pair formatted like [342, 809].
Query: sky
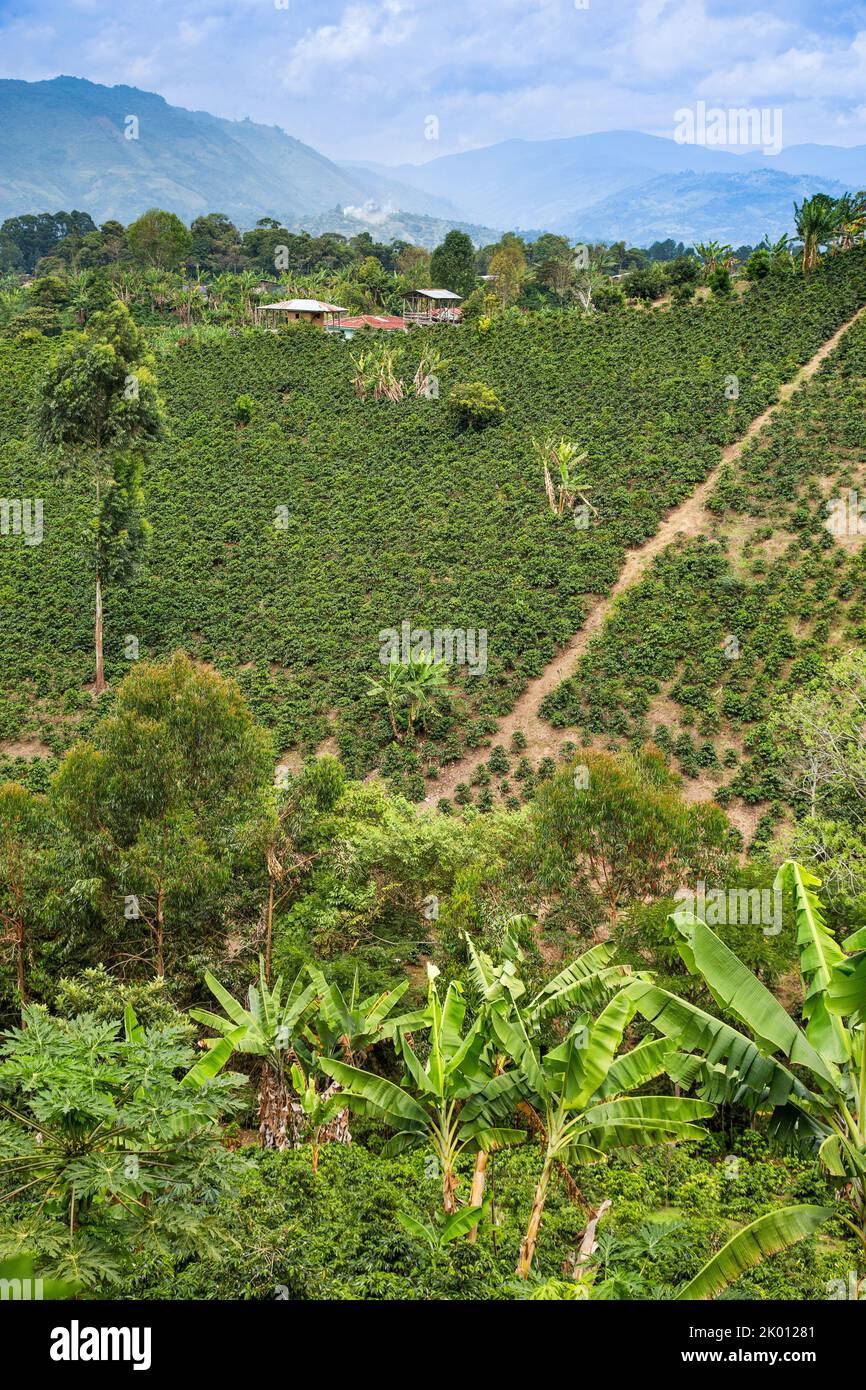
[408, 80]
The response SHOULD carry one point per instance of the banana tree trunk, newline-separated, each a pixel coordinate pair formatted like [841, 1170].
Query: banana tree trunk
[530, 1240]
[336, 1131]
[275, 1112]
[479, 1181]
[449, 1190]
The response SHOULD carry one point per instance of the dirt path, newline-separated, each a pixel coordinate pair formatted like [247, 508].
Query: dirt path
[689, 518]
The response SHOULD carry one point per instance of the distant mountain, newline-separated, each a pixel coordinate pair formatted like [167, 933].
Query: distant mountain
[736, 208]
[545, 183]
[539, 183]
[63, 145]
[390, 192]
[847, 164]
[389, 224]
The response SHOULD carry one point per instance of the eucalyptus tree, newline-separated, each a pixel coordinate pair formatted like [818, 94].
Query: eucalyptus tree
[98, 412]
[440, 1106]
[809, 1079]
[156, 801]
[25, 879]
[620, 823]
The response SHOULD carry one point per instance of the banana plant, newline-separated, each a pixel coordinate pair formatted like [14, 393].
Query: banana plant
[320, 1108]
[413, 687]
[768, 1235]
[352, 1026]
[586, 981]
[345, 1029]
[444, 1112]
[810, 1079]
[581, 1090]
[562, 457]
[267, 1029]
[444, 1232]
[313, 1020]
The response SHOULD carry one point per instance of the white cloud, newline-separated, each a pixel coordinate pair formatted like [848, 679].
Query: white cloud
[362, 33]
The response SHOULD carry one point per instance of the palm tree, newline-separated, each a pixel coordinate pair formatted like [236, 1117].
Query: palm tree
[445, 1112]
[821, 1106]
[80, 286]
[159, 286]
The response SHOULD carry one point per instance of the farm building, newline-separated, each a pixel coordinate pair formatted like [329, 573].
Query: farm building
[432, 306]
[284, 311]
[385, 323]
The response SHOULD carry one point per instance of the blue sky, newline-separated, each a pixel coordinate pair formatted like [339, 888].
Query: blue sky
[359, 78]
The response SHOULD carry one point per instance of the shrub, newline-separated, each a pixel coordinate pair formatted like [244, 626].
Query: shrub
[243, 410]
[474, 406]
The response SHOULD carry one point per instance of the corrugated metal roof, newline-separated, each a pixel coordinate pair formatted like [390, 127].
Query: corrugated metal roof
[308, 306]
[373, 321]
[438, 294]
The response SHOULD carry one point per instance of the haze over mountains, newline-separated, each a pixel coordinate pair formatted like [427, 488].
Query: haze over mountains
[64, 144]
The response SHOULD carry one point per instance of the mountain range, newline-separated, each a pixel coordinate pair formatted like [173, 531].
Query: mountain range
[115, 151]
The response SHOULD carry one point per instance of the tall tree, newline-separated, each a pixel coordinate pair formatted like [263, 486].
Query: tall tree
[508, 264]
[98, 411]
[158, 802]
[452, 265]
[622, 823]
[23, 886]
[159, 238]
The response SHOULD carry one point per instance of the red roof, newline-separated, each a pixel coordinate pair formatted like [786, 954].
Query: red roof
[386, 321]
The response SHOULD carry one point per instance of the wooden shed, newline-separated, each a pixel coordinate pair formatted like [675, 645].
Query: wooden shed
[432, 306]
